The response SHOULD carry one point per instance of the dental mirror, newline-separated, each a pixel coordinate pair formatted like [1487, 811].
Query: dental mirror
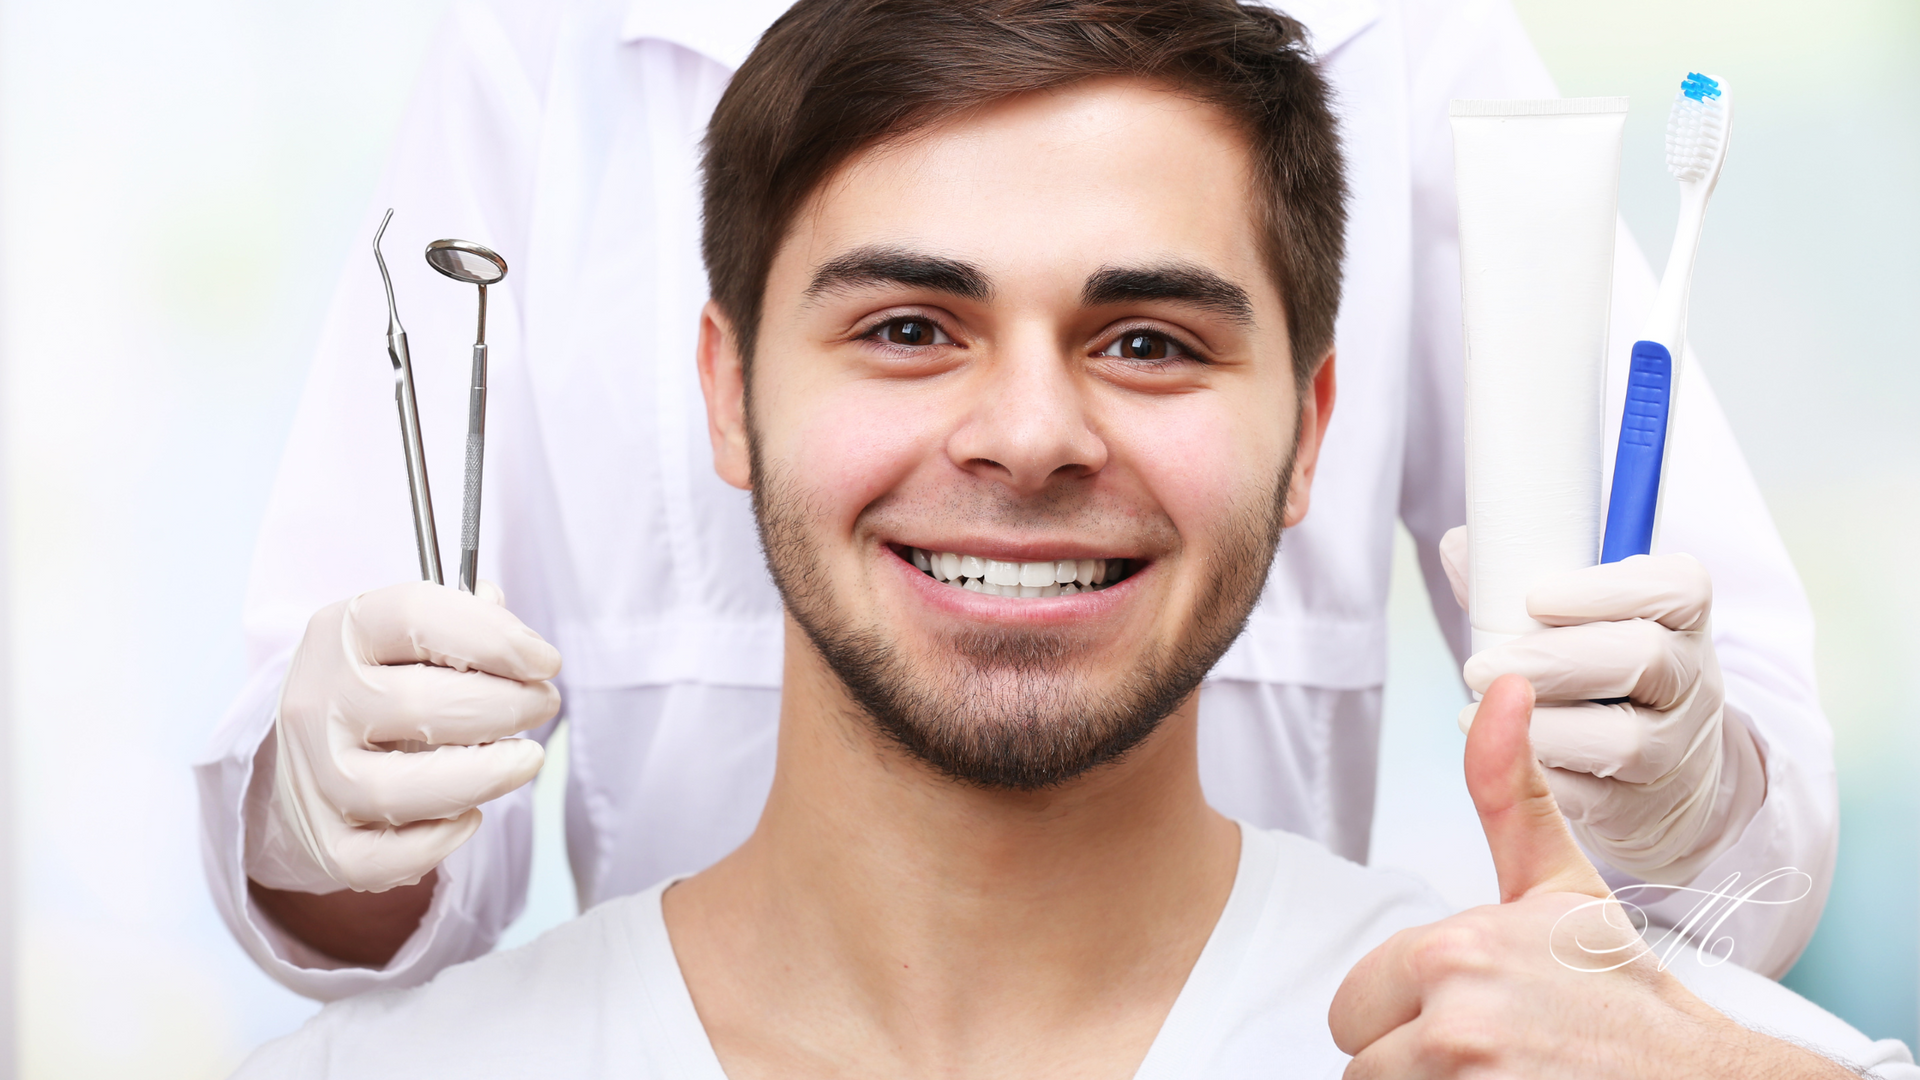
[463, 260]
[468, 262]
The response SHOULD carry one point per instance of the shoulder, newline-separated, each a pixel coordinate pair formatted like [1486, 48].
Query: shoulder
[1311, 915]
[520, 34]
[1320, 916]
[1761, 1004]
[510, 49]
[525, 1011]
[1256, 1004]
[1343, 899]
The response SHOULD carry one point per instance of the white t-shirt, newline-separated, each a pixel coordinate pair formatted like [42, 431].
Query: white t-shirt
[602, 996]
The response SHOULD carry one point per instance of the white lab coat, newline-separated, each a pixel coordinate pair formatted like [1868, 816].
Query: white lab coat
[566, 136]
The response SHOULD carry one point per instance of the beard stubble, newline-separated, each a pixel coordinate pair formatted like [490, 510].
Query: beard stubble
[1012, 712]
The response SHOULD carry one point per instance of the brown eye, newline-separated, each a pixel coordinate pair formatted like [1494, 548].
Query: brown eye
[1144, 345]
[911, 332]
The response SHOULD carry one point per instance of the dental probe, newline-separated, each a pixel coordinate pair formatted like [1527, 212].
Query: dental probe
[468, 262]
[423, 533]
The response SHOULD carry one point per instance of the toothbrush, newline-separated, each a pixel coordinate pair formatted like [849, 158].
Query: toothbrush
[1697, 132]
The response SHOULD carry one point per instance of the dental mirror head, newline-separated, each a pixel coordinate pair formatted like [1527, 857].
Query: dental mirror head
[466, 261]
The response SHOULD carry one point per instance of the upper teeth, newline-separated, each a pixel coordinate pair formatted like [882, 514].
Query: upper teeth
[1055, 577]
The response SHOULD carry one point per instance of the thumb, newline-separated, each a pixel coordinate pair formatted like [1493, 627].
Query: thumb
[1532, 850]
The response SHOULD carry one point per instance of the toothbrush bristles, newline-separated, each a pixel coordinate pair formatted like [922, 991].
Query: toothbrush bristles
[1695, 128]
[1699, 87]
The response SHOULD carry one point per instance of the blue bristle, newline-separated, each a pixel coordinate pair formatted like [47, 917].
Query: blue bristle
[1699, 87]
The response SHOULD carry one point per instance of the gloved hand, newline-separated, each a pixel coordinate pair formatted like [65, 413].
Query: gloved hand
[393, 727]
[1658, 784]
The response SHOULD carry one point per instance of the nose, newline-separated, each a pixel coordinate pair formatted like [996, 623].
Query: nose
[1028, 427]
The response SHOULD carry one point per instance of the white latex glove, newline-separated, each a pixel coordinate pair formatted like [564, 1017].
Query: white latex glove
[1660, 783]
[393, 728]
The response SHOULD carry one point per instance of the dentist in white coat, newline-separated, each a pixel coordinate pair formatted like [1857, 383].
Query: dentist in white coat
[566, 136]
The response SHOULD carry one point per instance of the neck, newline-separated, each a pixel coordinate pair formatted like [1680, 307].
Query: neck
[944, 922]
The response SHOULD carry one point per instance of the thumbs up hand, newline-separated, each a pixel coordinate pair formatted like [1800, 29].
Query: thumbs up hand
[1500, 991]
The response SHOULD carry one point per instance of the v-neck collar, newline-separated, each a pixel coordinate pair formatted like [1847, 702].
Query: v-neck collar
[1191, 1028]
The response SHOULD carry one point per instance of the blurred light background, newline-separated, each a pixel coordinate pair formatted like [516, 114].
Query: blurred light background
[177, 185]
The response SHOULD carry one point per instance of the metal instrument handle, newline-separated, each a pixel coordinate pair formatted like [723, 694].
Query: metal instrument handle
[476, 453]
[424, 536]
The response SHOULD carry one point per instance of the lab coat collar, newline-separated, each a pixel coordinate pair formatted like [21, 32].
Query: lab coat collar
[726, 32]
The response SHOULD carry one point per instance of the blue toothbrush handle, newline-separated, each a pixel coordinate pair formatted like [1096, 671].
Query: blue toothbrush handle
[1643, 443]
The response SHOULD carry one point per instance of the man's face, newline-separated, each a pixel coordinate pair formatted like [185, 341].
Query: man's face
[1022, 425]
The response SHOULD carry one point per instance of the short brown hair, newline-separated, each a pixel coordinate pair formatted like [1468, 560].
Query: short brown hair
[834, 77]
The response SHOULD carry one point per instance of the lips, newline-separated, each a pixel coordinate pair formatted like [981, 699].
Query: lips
[1029, 580]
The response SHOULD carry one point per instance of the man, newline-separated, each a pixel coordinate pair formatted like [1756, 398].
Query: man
[565, 135]
[1043, 291]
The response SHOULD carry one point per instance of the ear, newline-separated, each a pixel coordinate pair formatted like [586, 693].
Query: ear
[1315, 411]
[723, 383]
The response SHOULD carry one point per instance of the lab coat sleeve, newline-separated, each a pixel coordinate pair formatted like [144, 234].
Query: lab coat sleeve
[1712, 509]
[339, 522]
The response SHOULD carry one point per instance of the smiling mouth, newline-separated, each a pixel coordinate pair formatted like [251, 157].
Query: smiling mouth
[1029, 580]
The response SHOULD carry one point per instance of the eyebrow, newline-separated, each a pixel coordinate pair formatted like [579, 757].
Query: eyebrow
[898, 266]
[1182, 283]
